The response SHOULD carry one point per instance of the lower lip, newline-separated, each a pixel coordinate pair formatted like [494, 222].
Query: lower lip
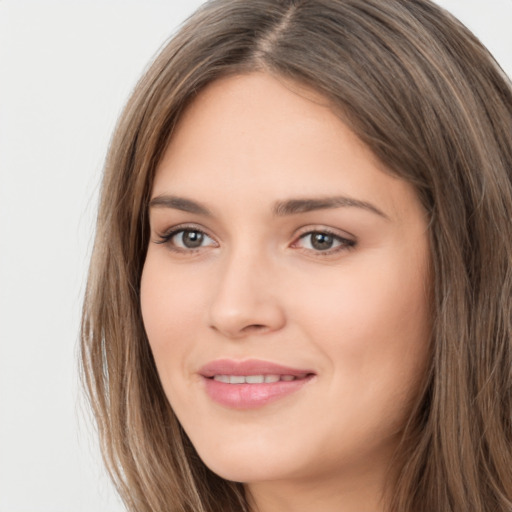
[251, 396]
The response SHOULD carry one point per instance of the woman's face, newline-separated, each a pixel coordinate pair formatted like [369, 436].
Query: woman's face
[285, 292]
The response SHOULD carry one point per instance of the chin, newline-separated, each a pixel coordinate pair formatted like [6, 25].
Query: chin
[249, 471]
[248, 462]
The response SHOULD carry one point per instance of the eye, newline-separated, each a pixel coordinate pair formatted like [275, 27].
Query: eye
[186, 239]
[323, 242]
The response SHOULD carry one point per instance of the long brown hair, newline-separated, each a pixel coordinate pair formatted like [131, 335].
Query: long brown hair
[421, 91]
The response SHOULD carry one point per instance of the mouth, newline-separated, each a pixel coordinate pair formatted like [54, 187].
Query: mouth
[252, 383]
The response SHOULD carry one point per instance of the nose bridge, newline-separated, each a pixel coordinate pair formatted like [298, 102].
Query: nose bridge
[245, 299]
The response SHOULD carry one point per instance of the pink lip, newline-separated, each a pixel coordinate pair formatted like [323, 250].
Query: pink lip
[249, 396]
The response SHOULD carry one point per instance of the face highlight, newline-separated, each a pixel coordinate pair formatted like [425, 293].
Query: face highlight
[285, 289]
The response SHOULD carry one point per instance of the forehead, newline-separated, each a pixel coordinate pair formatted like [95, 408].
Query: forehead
[257, 106]
[260, 136]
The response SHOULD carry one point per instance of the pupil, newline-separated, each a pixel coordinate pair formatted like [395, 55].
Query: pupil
[322, 241]
[192, 239]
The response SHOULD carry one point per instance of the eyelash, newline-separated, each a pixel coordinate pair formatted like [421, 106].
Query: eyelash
[345, 244]
[166, 238]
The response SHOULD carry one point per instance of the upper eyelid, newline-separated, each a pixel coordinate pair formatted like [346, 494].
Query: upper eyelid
[184, 227]
[344, 240]
[325, 229]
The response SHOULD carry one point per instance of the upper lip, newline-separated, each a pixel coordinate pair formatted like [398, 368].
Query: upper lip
[249, 367]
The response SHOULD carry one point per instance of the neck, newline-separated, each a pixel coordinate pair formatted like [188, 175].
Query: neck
[359, 492]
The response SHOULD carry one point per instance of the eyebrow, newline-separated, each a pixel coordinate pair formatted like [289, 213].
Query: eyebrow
[281, 208]
[294, 206]
[179, 203]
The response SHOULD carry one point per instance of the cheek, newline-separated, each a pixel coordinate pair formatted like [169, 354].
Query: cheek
[373, 326]
[361, 299]
[171, 310]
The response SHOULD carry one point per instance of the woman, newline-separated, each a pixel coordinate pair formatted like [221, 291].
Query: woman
[299, 296]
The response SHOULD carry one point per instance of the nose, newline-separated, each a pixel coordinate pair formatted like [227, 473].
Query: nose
[246, 301]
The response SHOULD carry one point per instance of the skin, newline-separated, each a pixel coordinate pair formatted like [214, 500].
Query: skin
[256, 287]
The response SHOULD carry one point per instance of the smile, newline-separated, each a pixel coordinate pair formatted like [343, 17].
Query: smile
[256, 379]
[251, 383]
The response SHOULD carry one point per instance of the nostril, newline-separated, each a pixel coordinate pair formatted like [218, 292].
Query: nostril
[254, 327]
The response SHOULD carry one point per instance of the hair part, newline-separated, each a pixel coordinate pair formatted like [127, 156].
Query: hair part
[430, 102]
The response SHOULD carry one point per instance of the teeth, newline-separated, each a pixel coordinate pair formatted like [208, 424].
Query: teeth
[253, 379]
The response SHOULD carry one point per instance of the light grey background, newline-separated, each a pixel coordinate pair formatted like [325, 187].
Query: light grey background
[66, 69]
